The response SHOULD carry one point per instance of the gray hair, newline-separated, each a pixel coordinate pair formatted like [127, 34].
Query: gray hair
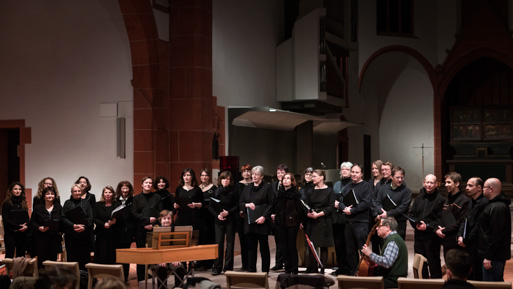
[258, 169]
[347, 165]
[391, 222]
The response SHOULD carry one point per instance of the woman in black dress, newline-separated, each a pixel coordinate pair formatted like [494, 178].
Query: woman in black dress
[289, 215]
[125, 224]
[105, 230]
[246, 180]
[224, 208]
[188, 200]
[256, 201]
[145, 210]
[161, 186]
[15, 218]
[319, 221]
[207, 230]
[43, 184]
[45, 223]
[77, 223]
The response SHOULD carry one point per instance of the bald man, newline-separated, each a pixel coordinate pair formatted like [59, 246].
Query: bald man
[469, 231]
[495, 238]
[426, 210]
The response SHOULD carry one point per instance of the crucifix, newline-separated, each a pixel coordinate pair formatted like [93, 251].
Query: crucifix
[423, 147]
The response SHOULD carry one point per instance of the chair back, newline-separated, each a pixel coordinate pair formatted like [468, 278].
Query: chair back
[29, 270]
[70, 265]
[246, 280]
[418, 265]
[407, 283]
[353, 282]
[490, 285]
[103, 271]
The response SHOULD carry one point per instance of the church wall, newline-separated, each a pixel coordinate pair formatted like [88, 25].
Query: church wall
[61, 60]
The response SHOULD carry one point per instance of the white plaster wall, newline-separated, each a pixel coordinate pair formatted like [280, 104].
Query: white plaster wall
[407, 122]
[59, 60]
[244, 39]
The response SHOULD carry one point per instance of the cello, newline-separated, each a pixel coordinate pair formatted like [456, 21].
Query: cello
[366, 267]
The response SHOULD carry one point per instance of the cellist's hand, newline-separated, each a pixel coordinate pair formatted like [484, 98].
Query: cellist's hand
[366, 250]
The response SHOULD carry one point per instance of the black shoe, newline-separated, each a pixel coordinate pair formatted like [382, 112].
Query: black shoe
[244, 268]
[277, 267]
[311, 270]
[215, 272]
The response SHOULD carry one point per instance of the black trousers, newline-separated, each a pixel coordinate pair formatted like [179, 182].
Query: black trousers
[429, 248]
[340, 246]
[356, 235]
[47, 247]
[243, 242]
[253, 241]
[401, 229]
[15, 241]
[78, 248]
[221, 231]
[286, 240]
[140, 242]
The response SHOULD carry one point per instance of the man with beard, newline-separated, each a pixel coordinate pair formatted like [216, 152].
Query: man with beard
[357, 215]
[425, 212]
[400, 196]
[339, 220]
[467, 235]
[454, 212]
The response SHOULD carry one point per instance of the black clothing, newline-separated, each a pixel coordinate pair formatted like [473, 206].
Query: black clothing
[48, 244]
[320, 230]
[228, 202]
[144, 206]
[495, 226]
[339, 227]
[456, 205]
[78, 245]
[261, 195]
[187, 216]
[402, 197]
[305, 188]
[239, 220]
[125, 230]
[13, 238]
[428, 208]
[91, 198]
[167, 200]
[469, 229]
[289, 214]
[207, 232]
[357, 227]
[105, 249]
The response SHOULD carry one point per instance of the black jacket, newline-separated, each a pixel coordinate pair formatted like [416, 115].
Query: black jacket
[68, 222]
[469, 226]
[428, 208]
[400, 195]
[262, 194]
[101, 215]
[457, 205]
[363, 192]
[495, 225]
[40, 215]
[14, 215]
[288, 208]
[228, 202]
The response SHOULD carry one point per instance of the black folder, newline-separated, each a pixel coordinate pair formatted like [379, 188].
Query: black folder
[350, 199]
[447, 220]
[77, 216]
[258, 212]
[19, 216]
[118, 212]
[183, 202]
[216, 205]
[52, 224]
[388, 204]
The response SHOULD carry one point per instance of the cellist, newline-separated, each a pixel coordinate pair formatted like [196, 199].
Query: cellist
[393, 259]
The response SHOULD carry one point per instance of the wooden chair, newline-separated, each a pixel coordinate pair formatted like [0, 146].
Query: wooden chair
[490, 285]
[103, 271]
[350, 282]
[70, 265]
[407, 283]
[246, 280]
[30, 270]
[418, 265]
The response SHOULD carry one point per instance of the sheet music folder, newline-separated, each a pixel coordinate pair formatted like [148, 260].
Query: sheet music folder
[350, 199]
[388, 203]
[216, 205]
[258, 212]
[447, 220]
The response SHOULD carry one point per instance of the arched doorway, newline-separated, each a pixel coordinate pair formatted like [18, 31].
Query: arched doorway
[477, 121]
